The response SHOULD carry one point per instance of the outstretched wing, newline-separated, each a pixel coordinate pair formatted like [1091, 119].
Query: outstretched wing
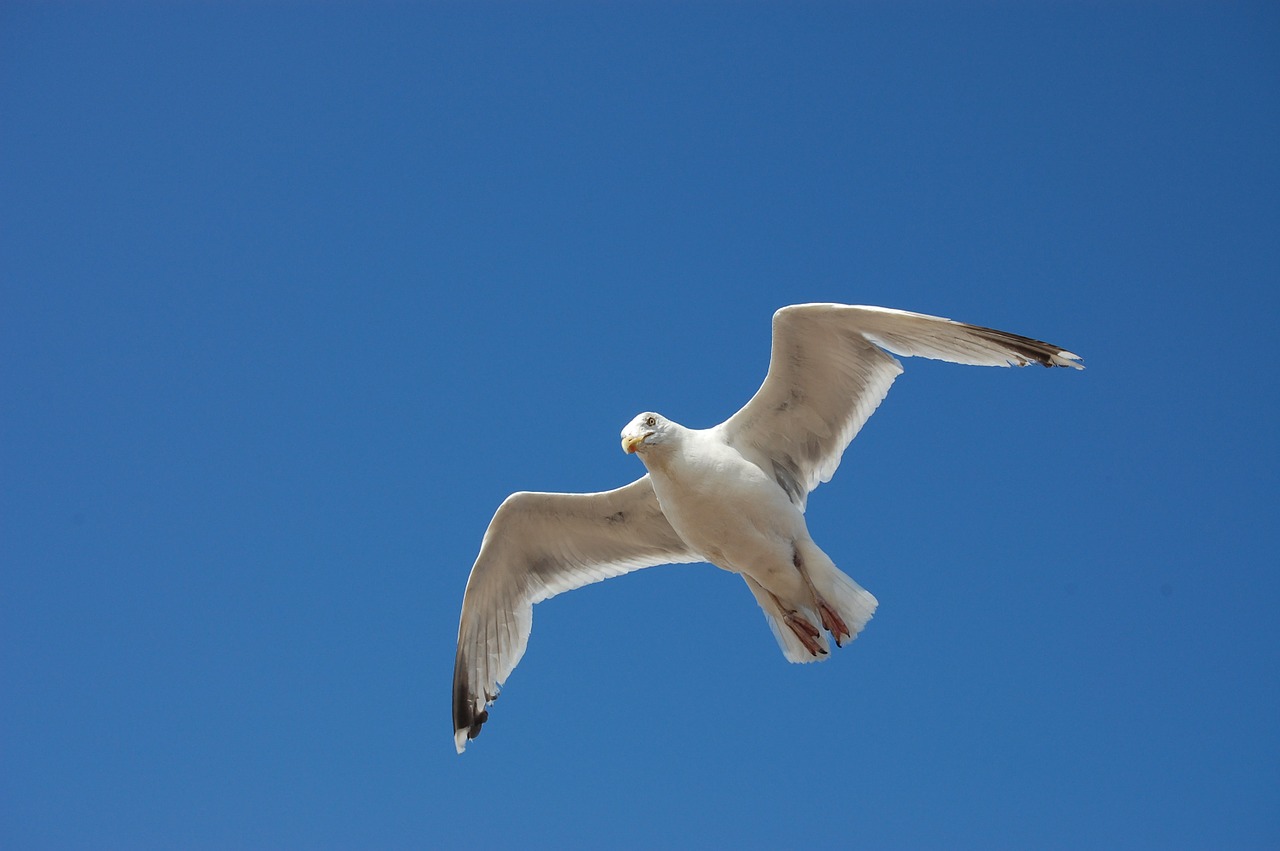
[539, 545]
[829, 371]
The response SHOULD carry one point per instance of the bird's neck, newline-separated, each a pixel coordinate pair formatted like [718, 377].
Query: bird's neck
[660, 456]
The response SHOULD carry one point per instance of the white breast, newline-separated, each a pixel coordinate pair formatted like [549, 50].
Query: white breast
[724, 506]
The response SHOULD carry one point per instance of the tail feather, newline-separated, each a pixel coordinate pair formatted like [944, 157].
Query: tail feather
[854, 603]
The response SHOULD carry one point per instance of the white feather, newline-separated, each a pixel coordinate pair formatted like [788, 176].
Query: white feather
[733, 495]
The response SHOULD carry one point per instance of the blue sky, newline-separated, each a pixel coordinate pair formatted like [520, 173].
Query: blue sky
[292, 295]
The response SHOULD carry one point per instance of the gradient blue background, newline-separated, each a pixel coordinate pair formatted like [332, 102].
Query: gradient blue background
[294, 295]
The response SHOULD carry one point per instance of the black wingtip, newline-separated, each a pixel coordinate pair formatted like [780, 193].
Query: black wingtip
[464, 718]
[474, 729]
[464, 715]
[1031, 350]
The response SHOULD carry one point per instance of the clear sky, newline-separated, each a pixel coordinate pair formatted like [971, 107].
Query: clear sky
[292, 295]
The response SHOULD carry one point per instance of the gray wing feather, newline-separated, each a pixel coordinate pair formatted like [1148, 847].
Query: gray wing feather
[539, 545]
[829, 371]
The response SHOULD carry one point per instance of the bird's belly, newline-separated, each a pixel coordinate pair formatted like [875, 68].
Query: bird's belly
[737, 518]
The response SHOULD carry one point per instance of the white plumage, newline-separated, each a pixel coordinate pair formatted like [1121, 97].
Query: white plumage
[733, 495]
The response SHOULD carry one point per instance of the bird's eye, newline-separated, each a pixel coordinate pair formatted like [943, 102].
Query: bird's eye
[651, 421]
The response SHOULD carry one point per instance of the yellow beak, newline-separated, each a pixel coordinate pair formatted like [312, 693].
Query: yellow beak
[630, 442]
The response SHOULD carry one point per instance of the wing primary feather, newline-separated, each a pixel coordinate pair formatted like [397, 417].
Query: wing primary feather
[831, 366]
[539, 545]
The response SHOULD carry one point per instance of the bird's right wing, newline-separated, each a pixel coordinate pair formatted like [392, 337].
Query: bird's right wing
[539, 545]
[829, 370]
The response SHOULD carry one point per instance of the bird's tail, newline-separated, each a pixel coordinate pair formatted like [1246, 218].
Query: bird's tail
[853, 603]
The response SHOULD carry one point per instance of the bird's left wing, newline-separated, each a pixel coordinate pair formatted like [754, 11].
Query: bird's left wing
[539, 545]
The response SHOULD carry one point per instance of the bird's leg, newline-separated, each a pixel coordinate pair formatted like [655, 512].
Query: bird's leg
[806, 632]
[831, 621]
[799, 624]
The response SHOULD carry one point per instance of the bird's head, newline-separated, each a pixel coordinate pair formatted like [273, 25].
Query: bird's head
[647, 429]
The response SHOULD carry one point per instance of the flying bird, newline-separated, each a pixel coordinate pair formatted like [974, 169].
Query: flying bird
[733, 495]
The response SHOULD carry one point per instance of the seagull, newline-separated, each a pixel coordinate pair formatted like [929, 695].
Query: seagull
[733, 495]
